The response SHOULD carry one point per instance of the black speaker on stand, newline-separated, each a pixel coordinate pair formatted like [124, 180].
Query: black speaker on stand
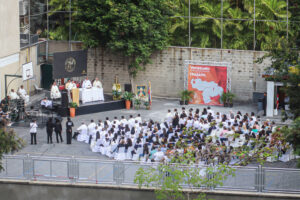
[127, 87]
[63, 109]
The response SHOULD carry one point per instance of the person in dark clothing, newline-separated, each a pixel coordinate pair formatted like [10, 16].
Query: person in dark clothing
[69, 125]
[49, 128]
[265, 103]
[58, 130]
[175, 121]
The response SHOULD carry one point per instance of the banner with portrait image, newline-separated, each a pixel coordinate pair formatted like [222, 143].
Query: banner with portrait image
[208, 83]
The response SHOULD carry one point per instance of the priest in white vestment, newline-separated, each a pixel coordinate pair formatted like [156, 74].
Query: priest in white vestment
[97, 83]
[86, 84]
[55, 93]
[13, 95]
[83, 132]
[23, 94]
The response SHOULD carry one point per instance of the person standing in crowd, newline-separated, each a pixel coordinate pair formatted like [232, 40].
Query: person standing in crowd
[58, 130]
[265, 103]
[49, 127]
[69, 125]
[33, 131]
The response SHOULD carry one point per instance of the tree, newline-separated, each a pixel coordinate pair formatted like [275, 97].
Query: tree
[9, 142]
[133, 28]
[291, 134]
[285, 68]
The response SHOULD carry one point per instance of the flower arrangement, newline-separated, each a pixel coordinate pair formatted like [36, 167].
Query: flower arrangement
[116, 91]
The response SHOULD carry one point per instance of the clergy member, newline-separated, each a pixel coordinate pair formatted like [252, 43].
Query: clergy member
[87, 83]
[13, 95]
[97, 83]
[55, 93]
[68, 85]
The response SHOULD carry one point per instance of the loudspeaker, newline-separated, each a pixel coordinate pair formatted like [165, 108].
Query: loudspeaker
[127, 87]
[63, 111]
[64, 99]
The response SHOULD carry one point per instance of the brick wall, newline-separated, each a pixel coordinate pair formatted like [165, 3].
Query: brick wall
[166, 72]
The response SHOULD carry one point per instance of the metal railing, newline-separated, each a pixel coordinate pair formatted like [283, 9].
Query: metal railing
[110, 172]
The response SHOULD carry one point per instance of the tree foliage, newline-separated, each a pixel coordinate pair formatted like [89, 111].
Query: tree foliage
[9, 142]
[135, 29]
[285, 68]
[292, 136]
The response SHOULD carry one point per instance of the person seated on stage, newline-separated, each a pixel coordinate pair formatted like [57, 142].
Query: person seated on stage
[23, 94]
[86, 84]
[97, 83]
[55, 93]
[46, 103]
[13, 95]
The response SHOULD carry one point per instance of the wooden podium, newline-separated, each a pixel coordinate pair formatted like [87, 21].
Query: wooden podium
[75, 96]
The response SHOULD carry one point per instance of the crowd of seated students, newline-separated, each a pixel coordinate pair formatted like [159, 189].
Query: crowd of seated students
[208, 135]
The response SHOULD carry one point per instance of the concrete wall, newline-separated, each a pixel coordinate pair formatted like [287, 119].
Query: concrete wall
[9, 27]
[166, 72]
[46, 191]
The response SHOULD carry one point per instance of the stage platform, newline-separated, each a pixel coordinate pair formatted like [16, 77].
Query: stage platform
[100, 106]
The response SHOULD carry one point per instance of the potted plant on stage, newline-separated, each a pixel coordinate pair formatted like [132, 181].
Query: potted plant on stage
[137, 103]
[72, 106]
[186, 96]
[116, 91]
[128, 96]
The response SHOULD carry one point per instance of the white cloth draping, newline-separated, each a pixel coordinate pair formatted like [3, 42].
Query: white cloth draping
[89, 95]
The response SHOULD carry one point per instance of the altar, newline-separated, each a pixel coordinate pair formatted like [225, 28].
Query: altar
[90, 95]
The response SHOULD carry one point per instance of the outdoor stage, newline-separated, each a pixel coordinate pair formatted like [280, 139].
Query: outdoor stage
[100, 106]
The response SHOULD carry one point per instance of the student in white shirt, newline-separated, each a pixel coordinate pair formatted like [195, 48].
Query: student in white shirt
[33, 131]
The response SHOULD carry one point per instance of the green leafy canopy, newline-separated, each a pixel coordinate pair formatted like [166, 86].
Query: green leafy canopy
[135, 29]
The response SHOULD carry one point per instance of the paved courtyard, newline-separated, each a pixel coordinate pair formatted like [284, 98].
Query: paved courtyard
[78, 149]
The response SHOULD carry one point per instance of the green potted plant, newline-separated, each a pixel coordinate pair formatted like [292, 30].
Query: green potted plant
[137, 103]
[186, 96]
[128, 96]
[224, 99]
[189, 96]
[182, 97]
[147, 105]
[230, 97]
[72, 106]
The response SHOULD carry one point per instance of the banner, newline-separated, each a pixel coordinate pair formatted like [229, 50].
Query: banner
[208, 83]
[69, 64]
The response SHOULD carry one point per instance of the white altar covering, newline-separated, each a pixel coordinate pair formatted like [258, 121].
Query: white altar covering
[89, 95]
